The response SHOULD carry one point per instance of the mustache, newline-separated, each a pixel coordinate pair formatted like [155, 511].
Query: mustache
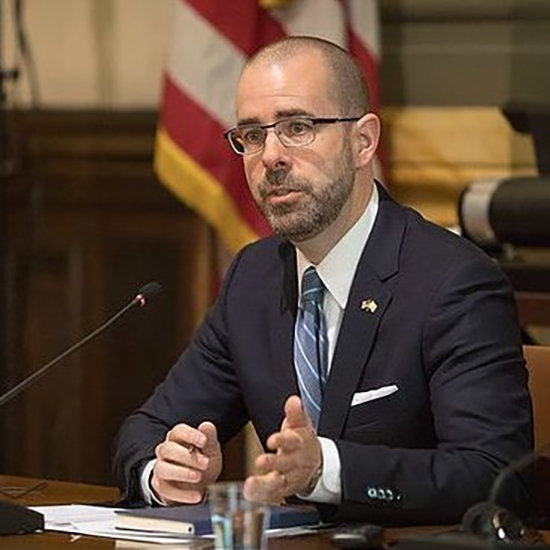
[278, 182]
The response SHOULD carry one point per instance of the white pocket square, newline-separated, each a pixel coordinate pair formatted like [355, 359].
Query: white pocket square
[364, 396]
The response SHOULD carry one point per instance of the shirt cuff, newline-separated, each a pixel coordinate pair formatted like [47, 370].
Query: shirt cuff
[145, 484]
[328, 489]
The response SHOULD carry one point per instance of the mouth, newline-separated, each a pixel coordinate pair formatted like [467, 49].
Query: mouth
[283, 196]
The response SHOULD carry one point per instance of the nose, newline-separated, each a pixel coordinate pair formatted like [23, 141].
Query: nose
[274, 153]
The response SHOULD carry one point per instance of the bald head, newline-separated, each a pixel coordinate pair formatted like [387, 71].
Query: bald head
[346, 83]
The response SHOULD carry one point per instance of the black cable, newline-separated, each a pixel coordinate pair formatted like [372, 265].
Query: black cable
[24, 48]
[3, 181]
[15, 155]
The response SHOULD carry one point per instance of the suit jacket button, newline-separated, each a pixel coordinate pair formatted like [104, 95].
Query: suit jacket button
[372, 493]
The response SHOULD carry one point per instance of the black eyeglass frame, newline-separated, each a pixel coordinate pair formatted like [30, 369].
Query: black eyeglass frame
[313, 120]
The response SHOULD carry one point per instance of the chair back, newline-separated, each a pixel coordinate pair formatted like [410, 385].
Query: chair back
[538, 365]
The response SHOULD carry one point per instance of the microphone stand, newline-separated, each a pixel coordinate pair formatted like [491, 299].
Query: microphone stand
[14, 518]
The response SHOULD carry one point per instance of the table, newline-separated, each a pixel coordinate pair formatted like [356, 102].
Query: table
[44, 492]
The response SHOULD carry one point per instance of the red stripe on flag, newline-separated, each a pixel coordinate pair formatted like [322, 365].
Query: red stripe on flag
[244, 22]
[194, 131]
[369, 65]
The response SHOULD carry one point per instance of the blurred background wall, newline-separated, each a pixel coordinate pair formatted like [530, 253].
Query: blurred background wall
[85, 221]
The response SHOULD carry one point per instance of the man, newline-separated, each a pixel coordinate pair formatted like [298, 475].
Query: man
[376, 354]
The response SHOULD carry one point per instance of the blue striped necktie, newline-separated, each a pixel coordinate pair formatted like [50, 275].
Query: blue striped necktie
[311, 344]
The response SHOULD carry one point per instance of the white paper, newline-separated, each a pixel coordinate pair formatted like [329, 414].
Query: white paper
[99, 521]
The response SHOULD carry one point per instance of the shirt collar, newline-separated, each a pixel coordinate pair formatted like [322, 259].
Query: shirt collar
[338, 267]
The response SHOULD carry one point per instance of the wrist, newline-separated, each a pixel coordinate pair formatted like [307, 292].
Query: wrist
[314, 479]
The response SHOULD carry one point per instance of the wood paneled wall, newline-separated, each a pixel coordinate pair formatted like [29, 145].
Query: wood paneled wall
[87, 225]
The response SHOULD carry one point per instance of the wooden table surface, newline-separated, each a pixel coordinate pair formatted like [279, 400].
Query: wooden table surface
[43, 492]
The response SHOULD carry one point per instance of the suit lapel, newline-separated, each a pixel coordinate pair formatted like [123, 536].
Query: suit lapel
[369, 298]
[281, 322]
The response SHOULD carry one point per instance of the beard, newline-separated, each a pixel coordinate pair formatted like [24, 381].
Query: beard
[318, 206]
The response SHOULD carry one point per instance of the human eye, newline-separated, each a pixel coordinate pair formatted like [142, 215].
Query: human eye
[252, 135]
[297, 127]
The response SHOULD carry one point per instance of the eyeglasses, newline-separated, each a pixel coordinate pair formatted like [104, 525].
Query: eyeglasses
[292, 132]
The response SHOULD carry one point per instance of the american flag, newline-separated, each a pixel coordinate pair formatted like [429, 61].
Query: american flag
[210, 42]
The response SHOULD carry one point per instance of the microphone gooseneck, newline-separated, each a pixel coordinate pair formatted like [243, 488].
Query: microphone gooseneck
[516, 466]
[489, 520]
[142, 298]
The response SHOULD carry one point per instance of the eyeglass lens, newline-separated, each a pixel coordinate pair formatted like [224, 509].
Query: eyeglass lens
[291, 133]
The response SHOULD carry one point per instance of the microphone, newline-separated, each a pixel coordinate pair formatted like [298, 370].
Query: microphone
[495, 523]
[14, 518]
[486, 524]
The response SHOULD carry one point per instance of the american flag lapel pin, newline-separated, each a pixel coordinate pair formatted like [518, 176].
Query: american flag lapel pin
[369, 305]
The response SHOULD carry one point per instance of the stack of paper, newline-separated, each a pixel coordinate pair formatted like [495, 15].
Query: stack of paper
[162, 525]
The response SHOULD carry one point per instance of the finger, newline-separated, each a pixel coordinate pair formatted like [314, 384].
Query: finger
[269, 463]
[167, 471]
[264, 464]
[267, 488]
[176, 483]
[187, 436]
[175, 453]
[295, 416]
[211, 445]
[287, 441]
[175, 492]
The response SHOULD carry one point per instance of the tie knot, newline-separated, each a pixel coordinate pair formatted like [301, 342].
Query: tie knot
[312, 286]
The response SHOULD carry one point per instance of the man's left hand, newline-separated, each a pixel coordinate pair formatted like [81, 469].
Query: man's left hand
[295, 459]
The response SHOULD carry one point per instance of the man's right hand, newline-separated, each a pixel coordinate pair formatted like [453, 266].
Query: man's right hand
[187, 461]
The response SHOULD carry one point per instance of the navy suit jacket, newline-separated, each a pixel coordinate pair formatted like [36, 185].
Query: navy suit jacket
[444, 332]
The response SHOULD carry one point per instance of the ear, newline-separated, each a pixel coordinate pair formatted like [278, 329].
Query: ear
[368, 136]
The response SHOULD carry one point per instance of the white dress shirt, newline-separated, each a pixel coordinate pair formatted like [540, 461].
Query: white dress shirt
[337, 271]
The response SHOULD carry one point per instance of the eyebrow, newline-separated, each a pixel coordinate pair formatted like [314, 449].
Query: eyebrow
[286, 113]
